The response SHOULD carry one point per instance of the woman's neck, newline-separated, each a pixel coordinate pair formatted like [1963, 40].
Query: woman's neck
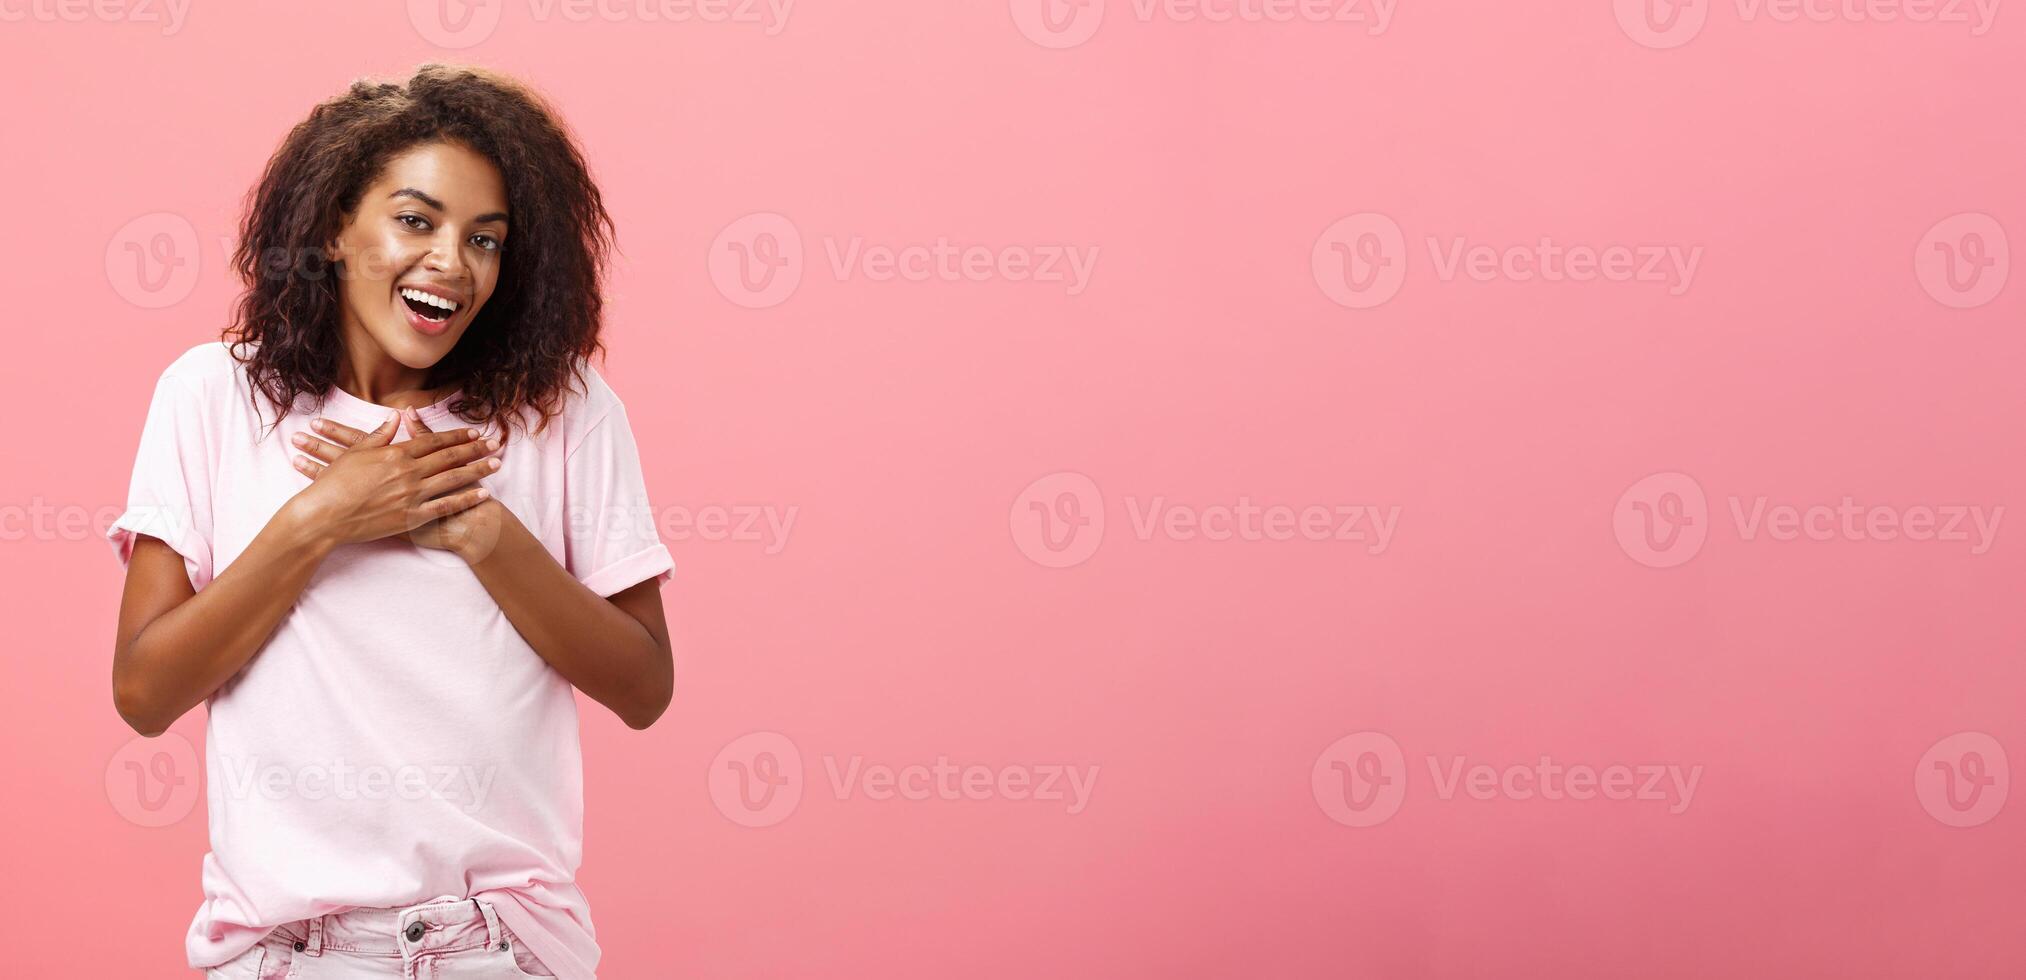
[367, 372]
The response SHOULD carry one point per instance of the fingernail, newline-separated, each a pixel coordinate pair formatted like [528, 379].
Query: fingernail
[491, 444]
[494, 463]
[299, 439]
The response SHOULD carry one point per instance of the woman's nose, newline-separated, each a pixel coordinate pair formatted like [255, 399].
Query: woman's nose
[446, 258]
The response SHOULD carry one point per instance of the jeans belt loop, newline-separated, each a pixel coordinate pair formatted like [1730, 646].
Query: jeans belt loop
[493, 936]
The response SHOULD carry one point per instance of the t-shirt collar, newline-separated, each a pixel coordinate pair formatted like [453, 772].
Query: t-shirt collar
[359, 413]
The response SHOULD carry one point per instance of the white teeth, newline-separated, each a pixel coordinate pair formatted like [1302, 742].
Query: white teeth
[432, 299]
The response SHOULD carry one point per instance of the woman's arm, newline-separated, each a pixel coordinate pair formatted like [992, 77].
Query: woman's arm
[177, 645]
[614, 650]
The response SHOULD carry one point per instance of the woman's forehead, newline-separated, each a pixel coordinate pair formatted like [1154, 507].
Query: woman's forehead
[444, 176]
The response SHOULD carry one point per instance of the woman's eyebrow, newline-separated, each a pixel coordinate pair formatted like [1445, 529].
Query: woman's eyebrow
[418, 195]
[500, 216]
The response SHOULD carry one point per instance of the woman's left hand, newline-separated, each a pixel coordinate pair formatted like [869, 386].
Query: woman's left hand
[470, 534]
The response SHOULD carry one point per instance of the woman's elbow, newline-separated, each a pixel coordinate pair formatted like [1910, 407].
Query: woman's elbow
[648, 709]
[642, 720]
[135, 698]
[136, 709]
[652, 700]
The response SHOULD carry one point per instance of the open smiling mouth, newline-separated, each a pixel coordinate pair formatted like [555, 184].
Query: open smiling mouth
[429, 307]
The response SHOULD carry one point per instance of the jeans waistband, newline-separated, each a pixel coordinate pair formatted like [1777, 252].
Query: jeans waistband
[440, 924]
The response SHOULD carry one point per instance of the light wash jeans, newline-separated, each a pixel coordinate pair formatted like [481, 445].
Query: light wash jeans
[442, 939]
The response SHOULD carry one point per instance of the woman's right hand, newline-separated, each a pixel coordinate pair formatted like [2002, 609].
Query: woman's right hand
[375, 489]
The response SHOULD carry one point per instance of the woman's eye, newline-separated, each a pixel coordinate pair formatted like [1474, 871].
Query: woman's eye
[418, 221]
[486, 242]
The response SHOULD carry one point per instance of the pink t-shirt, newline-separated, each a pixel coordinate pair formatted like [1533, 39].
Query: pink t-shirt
[395, 740]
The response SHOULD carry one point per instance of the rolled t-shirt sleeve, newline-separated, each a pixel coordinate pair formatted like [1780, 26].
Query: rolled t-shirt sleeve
[169, 496]
[611, 539]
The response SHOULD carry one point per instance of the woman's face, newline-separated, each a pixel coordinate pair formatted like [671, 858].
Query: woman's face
[421, 253]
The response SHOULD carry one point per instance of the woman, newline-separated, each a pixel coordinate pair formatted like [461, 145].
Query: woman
[385, 593]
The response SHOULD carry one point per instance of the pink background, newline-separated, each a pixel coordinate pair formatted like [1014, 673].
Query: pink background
[1523, 607]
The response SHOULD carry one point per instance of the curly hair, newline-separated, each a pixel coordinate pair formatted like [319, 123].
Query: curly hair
[541, 324]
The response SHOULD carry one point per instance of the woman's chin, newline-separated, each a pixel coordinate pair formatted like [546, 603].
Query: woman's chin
[413, 348]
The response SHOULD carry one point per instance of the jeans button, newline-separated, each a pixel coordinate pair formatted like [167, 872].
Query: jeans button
[415, 931]
[300, 945]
